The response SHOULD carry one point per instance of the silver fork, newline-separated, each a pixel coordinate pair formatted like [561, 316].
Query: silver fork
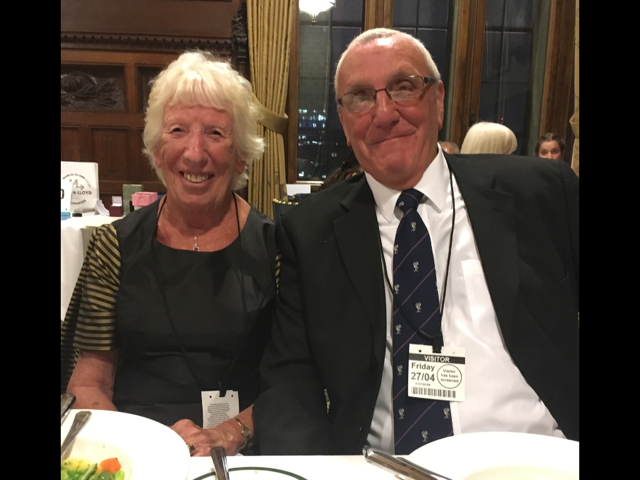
[79, 422]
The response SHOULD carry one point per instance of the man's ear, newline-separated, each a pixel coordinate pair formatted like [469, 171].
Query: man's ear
[343, 129]
[440, 104]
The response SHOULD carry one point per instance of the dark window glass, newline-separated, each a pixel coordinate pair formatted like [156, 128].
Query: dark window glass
[428, 21]
[322, 146]
[505, 94]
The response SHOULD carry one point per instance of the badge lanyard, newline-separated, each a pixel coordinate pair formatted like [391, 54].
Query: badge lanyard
[436, 340]
[160, 280]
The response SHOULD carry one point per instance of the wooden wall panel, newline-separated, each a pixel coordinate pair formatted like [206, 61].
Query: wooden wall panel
[123, 44]
[70, 144]
[110, 150]
[147, 25]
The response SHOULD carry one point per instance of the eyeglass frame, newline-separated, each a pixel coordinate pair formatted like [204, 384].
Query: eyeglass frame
[425, 81]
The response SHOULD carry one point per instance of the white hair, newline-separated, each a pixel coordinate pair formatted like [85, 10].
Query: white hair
[199, 78]
[376, 33]
[489, 137]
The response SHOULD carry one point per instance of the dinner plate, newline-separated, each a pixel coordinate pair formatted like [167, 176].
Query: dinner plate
[146, 449]
[497, 453]
[255, 473]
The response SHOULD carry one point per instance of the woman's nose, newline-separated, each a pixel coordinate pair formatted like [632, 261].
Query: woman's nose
[194, 146]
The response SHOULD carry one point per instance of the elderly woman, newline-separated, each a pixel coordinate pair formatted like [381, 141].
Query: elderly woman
[172, 308]
[551, 146]
[489, 137]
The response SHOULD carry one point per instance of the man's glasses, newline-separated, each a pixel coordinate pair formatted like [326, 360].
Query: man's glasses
[400, 91]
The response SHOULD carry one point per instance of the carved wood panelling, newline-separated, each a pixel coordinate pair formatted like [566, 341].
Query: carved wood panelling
[147, 26]
[92, 88]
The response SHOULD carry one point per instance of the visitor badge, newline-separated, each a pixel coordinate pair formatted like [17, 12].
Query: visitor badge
[217, 409]
[436, 376]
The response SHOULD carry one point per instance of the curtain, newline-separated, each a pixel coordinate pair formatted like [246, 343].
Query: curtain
[269, 38]
[575, 118]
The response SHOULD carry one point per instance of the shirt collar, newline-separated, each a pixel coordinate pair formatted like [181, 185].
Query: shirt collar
[433, 185]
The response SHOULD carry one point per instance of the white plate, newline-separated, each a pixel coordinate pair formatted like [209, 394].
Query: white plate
[459, 456]
[145, 448]
[255, 473]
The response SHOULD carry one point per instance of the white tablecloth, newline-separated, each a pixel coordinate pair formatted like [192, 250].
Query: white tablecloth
[310, 467]
[75, 234]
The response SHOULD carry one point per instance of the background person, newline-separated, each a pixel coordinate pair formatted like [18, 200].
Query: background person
[175, 299]
[489, 137]
[450, 147]
[507, 255]
[348, 168]
[551, 146]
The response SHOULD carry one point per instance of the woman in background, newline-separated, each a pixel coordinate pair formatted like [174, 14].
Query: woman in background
[488, 137]
[551, 146]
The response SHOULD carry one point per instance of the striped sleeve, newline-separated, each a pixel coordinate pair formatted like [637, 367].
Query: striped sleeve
[96, 327]
[90, 322]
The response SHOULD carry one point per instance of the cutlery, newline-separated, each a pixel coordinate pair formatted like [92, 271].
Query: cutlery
[66, 401]
[79, 422]
[219, 457]
[401, 467]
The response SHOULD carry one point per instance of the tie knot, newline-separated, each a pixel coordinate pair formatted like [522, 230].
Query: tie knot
[409, 199]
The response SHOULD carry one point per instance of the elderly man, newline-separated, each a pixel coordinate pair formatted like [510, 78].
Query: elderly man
[432, 295]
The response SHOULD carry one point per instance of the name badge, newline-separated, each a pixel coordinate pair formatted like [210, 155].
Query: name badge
[436, 376]
[217, 409]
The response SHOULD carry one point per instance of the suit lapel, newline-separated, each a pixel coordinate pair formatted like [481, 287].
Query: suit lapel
[357, 236]
[492, 216]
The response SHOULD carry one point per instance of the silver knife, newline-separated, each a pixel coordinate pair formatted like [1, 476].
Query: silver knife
[401, 467]
[219, 457]
[66, 402]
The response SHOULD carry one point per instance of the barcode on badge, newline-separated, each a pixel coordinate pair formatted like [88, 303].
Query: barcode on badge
[433, 392]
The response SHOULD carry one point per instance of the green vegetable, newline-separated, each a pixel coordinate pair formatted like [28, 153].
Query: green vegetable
[88, 472]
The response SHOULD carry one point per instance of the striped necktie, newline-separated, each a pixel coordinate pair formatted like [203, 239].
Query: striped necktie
[416, 307]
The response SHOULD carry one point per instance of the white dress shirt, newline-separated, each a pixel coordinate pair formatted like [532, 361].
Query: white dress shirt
[498, 398]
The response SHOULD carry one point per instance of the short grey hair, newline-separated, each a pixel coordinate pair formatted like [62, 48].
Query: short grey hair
[489, 137]
[376, 33]
[200, 78]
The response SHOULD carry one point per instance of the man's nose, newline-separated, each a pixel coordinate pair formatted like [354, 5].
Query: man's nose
[385, 109]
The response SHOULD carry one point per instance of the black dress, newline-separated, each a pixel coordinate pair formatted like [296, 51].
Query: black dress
[220, 305]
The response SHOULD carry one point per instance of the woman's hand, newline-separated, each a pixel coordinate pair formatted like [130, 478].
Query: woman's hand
[225, 435]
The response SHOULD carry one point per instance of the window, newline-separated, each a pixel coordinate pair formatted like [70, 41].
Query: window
[498, 60]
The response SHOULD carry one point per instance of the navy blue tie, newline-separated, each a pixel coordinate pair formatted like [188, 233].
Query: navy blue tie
[416, 308]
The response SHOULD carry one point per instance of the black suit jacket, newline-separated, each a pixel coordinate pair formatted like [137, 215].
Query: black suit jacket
[330, 325]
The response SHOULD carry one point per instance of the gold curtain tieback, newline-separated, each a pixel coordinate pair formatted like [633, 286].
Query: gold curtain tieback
[271, 120]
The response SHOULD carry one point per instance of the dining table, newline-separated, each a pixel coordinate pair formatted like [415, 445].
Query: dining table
[309, 467]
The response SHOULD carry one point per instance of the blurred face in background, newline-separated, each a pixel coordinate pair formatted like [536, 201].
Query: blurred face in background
[551, 150]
